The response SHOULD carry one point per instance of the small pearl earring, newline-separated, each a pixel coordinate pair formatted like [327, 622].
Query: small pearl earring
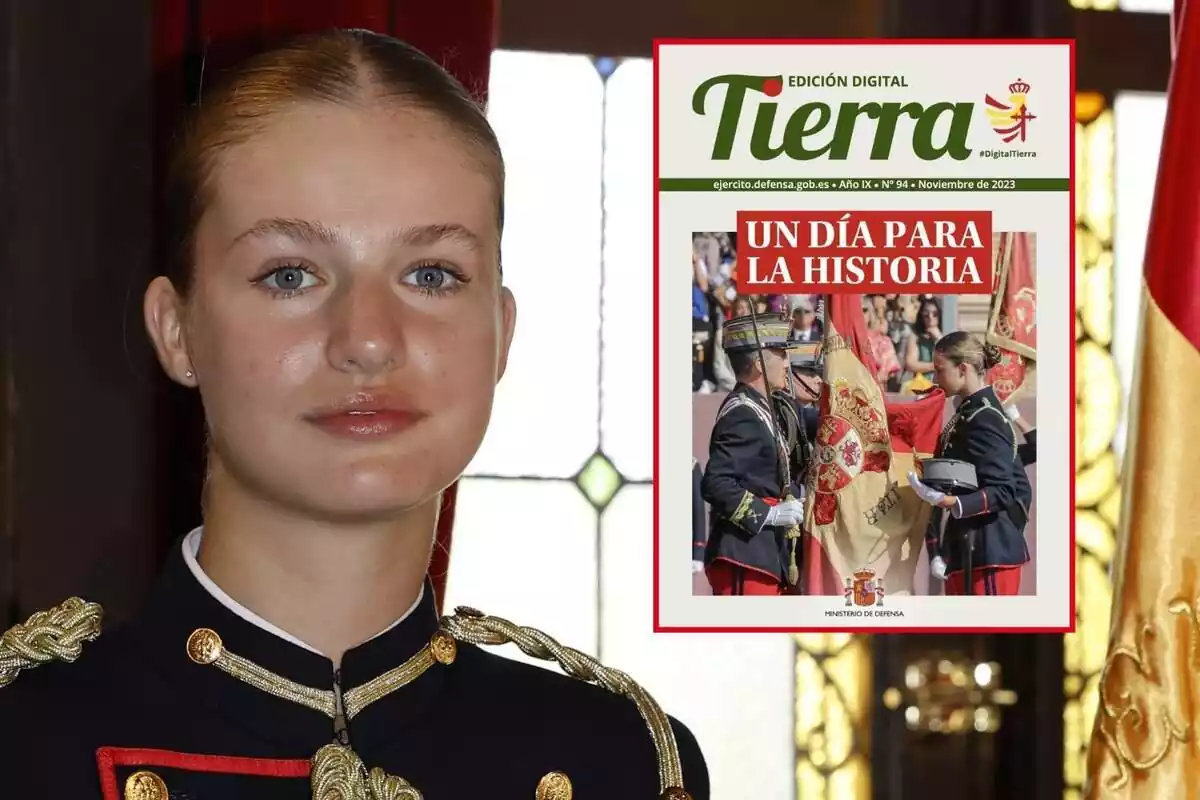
[189, 374]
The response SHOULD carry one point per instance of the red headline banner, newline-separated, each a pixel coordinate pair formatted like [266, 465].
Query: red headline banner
[869, 252]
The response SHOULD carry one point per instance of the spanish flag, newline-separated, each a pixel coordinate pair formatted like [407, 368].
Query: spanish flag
[1146, 740]
[1012, 324]
[860, 512]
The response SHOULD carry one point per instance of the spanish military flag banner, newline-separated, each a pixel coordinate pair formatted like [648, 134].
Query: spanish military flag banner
[1012, 324]
[859, 510]
[1146, 740]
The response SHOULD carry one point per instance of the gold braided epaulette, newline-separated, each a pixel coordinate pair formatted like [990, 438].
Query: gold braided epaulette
[57, 634]
[469, 625]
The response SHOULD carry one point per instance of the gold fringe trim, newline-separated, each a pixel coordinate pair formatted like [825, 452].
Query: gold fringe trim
[469, 625]
[57, 634]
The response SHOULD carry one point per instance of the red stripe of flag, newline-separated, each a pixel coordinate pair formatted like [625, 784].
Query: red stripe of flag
[1175, 219]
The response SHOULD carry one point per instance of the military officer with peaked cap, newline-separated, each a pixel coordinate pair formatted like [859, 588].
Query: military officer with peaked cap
[755, 504]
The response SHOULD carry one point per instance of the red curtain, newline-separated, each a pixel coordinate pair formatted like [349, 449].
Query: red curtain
[193, 37]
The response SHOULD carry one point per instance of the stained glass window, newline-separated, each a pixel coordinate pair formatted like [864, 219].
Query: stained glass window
[1139, 119]
[1098, 399]
[833, 700]
[626, 386]
[525, 550]
[554, 527]
[733, 690]
[559, 493]
[544, 422]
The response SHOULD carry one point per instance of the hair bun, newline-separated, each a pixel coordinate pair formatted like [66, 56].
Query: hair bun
[991, 356]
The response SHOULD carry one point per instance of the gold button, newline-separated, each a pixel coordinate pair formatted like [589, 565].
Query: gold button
[554, 786]
[143, 785]
[444, 647]
[675, 793]
[204, 646]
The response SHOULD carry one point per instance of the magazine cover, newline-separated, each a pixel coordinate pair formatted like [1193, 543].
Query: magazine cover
[881, 250]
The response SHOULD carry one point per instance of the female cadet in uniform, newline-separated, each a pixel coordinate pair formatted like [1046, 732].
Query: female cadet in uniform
[995, 514]
[336, 299]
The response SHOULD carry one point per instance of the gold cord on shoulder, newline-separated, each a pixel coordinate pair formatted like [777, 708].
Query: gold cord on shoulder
[987, 406]
[469, 625]
[57, 634]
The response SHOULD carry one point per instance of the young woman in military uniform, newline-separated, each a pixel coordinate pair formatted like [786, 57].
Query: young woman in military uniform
[991, 520]
[336, 299]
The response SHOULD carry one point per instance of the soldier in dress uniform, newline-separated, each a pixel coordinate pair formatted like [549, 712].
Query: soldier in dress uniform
[752, 494]
[338, 304]
[991, 520]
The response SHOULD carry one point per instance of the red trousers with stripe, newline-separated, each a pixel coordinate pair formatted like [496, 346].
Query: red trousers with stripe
[1004, 580]
[728, 578]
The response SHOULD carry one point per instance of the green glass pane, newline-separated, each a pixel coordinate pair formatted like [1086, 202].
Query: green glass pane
[599, 480]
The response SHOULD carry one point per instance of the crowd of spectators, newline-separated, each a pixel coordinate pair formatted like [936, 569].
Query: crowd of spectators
[902, 328]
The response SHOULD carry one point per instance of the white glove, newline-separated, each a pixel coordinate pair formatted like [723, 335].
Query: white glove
[929, 495]
[937, 567]
[697, 567]
[1013, 412]
[786, 514]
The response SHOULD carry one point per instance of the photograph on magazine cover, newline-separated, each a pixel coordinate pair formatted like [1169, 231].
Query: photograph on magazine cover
[869, 356]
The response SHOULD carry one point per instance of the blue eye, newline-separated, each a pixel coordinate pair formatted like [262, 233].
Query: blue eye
[433, 279]
[289, 280]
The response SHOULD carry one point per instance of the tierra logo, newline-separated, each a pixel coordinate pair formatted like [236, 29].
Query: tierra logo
[1010, 119]
[814, 130]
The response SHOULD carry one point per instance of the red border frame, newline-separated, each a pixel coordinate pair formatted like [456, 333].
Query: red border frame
[1070, 44]
[109, 758]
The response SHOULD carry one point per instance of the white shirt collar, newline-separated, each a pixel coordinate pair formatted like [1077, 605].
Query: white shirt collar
[191, 549]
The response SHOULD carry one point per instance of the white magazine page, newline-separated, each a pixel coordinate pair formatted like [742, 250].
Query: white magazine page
[884, 220]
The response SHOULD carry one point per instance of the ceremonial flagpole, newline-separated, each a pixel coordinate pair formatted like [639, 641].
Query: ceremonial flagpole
[762, 366]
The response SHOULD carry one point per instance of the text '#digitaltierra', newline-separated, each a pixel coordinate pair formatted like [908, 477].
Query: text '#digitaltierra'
[832, 252]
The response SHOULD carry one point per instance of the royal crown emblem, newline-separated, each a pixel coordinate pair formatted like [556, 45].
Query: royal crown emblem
[1010, 120]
